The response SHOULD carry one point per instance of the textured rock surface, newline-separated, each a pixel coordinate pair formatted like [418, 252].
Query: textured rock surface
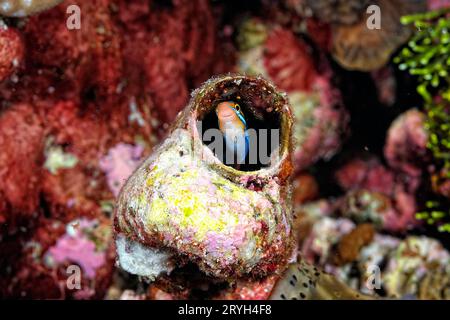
[184, 200]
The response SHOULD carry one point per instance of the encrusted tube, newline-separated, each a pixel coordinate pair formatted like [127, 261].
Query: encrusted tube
[183, 205]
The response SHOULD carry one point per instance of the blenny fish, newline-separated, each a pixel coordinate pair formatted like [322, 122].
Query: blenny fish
[234, 128]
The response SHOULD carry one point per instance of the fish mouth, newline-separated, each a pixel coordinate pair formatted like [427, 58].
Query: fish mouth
[224, 113]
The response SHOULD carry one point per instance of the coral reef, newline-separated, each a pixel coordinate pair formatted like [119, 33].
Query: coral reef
[93, 130]
[71, 98]
[47, 259]
[377, 194]
[21, 138]
[404, 267]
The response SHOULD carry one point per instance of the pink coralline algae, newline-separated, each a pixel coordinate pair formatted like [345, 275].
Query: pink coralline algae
[11, 51]
[378, 194]
[74, 246]
[321, 126]
[406, 143]
[21, 135]
[438, 4]
[119, 164]
[367, 174]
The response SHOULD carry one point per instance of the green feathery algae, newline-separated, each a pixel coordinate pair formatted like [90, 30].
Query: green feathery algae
[427, 56]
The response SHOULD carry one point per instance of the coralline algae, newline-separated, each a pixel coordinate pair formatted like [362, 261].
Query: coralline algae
[119, 164]
[76, 246]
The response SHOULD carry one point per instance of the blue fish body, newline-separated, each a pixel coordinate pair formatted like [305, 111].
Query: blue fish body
[234, 129]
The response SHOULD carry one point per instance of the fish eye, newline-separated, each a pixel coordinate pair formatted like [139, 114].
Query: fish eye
[237, 107]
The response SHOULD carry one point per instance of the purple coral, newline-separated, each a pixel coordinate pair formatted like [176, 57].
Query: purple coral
[119, 164]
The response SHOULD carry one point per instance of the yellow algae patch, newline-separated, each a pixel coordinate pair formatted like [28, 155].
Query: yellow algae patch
[183, 208]
[158, 212]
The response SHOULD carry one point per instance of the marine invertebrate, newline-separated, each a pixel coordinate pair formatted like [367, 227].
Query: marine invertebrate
[378, 194]
[367, 174]
[355, 46]
[286, 56]
[377, 254]
[22, 8]
[56, 159]
[351, 243]
[305, 189]
[185, 202]
[76, 65]
[306, 215]
[321, 126]
[437, 4]
[324, 234]
[179, 30]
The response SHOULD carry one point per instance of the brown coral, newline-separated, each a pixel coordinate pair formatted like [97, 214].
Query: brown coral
[338, 11]
[351, 243]
[356, 47]
[306, 188]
